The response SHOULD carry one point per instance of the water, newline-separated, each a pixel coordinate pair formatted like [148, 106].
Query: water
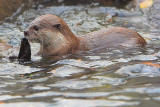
[111, 77]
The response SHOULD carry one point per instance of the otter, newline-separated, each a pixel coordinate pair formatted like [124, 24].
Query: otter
[56, 38]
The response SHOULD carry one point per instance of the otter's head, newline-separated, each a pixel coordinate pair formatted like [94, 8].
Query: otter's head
[50, 31]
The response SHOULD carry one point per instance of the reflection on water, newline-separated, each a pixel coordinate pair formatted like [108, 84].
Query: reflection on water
[111, 77]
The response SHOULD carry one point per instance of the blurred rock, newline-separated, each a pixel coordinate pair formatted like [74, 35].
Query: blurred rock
[8, 7]
[154, 14]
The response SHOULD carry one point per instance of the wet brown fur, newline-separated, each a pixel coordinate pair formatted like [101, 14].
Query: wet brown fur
[58, 41]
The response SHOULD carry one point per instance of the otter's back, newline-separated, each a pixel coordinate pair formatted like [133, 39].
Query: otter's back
[114, 37]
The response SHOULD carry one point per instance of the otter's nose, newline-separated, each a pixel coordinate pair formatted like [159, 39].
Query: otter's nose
[25, 33]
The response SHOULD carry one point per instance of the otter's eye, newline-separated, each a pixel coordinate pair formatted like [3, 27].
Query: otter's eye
[36, 28]
[57, 26]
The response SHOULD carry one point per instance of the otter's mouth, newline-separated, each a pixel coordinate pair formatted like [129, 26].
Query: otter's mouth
[34, 40]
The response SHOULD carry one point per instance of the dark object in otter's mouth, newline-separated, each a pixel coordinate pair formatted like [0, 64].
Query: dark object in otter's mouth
[25, 51]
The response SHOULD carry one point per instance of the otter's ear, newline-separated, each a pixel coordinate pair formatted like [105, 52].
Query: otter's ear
[57, 26]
